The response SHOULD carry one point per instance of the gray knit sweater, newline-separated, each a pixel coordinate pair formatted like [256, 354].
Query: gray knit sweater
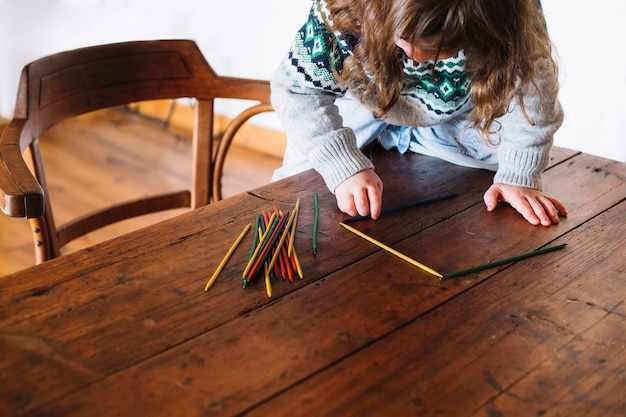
[304, 89]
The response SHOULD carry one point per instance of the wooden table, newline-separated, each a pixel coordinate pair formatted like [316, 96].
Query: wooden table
[126, 329]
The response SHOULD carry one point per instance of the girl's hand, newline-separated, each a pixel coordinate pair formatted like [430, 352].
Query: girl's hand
[533, 205]
[361, 194]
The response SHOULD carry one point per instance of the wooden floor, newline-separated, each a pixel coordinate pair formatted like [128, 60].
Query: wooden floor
[104, 148]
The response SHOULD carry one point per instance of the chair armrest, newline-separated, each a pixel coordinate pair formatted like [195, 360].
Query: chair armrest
[21, 195]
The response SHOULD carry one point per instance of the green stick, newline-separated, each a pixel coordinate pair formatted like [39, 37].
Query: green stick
[503, 261]
[256, 235]
[315, 221]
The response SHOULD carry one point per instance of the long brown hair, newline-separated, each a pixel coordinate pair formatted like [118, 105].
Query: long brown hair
[503, 40]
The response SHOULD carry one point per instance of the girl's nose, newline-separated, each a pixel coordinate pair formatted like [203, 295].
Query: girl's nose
[419, 55]
[415, 52]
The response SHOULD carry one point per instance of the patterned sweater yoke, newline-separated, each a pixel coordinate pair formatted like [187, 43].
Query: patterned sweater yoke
[439, 89]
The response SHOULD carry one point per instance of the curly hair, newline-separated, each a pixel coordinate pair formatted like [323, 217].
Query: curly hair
[503, 41]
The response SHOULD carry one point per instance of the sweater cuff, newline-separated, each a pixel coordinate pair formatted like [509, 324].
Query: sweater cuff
[522, 168]
[339, 158]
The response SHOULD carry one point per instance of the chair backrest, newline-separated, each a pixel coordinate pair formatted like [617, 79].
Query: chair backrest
[75, 82]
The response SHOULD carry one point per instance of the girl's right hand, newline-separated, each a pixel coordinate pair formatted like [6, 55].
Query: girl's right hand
[361, 194]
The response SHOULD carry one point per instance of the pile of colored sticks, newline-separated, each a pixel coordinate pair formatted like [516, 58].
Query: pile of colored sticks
[272, 253]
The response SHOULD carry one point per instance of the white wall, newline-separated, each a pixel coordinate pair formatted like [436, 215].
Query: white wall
[588, 39]
[238, 37]
[249, 37]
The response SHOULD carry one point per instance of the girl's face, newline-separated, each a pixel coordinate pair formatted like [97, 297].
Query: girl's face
[424, 50]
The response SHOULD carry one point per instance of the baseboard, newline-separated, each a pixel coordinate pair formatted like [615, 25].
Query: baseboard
[180, 116]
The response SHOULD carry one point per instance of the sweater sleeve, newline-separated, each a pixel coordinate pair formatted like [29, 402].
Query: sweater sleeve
[524, 151]
[304, 89]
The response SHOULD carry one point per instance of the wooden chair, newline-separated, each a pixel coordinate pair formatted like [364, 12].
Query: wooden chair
[75, 82]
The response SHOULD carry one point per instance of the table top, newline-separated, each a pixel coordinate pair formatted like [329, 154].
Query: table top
[125, 328]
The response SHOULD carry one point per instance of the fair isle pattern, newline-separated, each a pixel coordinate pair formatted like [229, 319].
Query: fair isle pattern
[443, 91]
[316, 51]
[311, 60]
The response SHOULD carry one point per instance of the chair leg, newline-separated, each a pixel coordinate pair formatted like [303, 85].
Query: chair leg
[41, 240]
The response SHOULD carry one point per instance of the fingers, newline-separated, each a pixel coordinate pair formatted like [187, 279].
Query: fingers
[491, 198]
[345, 202]
[365, 201]
[541, 209]
[559, 206]
[540, 213]
[549, 209]
[525, 208]
[360, 202]
[375, 195]
[533, 205]
[360, 195]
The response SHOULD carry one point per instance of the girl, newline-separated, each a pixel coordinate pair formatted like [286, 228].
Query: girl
[469, 81]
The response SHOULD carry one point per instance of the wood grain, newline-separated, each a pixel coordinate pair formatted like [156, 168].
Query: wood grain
[499, 348]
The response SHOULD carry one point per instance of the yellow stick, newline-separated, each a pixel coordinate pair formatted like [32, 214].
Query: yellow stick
[227, 257]
[295, 212]
[298, 267]
[268, 282]
[393, 251]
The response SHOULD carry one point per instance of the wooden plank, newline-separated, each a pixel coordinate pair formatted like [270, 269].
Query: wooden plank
[559, 155]
[542, 337]
[181, 310]
[584, 377]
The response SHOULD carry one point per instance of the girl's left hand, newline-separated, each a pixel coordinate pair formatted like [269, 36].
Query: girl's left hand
[533, 205]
